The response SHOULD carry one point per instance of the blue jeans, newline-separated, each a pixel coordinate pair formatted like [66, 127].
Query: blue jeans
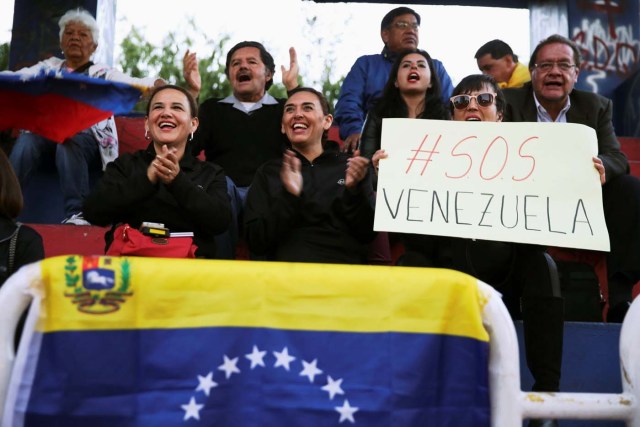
[226, 242]
[72, 160]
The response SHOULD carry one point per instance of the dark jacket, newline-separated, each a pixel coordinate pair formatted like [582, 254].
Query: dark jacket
[195, 201]
[586, 108]
[29, 247]
[237, 141]
[327, 223]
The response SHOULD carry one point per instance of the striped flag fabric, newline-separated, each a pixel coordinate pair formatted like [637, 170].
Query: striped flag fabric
[169, 342]
[57, 105]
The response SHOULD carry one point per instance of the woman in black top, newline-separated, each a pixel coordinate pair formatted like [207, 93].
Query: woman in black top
[314, 204]
[165, 183]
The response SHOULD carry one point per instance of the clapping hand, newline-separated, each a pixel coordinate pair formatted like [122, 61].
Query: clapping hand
[165, 167]
[291, 173]
[357, 169]
[290, 76]
[191, 73]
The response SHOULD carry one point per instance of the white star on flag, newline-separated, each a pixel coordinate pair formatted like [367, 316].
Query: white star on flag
[192, 410]
[310, 370]
[346, 412]
[229, 366]
[283, 359]
[206, 383]
[333, 387]
[256, 357]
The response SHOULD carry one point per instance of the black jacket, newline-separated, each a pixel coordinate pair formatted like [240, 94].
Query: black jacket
[327, 223]
[587, 108]
[29, 246]
[239, 142]
[195, 201]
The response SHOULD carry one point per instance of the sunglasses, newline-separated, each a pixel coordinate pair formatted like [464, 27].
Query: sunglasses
[460, 102]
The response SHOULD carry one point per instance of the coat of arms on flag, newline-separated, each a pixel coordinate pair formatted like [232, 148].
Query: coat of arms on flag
[223, 343]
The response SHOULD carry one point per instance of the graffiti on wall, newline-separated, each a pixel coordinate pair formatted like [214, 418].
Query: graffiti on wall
[607, 33]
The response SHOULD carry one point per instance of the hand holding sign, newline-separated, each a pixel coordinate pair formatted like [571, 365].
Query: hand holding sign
[519, 182]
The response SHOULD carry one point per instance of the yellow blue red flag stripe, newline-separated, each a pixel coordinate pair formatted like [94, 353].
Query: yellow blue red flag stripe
[57, 105]
[159, 342]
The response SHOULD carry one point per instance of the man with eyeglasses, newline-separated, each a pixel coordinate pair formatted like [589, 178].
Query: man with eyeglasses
[363, 84]
[496, 58]
[551, 97]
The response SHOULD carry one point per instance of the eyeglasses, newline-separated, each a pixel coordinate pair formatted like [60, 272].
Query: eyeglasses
[460, 102]
[548, 66]
[402, 25]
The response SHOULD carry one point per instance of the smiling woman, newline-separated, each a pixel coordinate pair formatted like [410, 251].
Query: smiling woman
[305, 207]
[165, 183]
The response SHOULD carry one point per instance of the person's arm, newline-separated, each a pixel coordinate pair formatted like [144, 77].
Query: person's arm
[270, 211]
[446, 84]
[146, 84]
[191, 73]
[614, 161]
[371, 134]
[358, 199]
[290, 75]
[350, 108]
[204, 199]
[122, 186]
[29, 248]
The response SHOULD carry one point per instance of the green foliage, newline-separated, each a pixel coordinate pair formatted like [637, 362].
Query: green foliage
[331, 90]
[4, 56]
[141, 59]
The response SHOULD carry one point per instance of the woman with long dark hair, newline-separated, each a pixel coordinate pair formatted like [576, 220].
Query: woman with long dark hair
[19, 244]
[412, 92]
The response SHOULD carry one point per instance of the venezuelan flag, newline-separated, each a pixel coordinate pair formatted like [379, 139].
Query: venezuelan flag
[58, 105]
[169, 342]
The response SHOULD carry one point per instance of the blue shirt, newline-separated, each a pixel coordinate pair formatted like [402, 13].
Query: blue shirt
[364, 84]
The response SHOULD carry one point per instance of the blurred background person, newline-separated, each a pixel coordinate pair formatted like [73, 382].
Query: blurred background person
[165, 183]
[19, 244]
[496, 58]
[79, 35]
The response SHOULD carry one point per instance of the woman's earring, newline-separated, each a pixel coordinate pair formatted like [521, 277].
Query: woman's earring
[190, 137]
[146, 135]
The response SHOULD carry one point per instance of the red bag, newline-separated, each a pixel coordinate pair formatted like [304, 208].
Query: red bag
[128, 241]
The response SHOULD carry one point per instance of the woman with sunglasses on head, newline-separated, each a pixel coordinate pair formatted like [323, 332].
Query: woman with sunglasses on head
[524, 274]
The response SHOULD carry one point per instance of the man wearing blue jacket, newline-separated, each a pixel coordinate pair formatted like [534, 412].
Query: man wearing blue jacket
[363, 84]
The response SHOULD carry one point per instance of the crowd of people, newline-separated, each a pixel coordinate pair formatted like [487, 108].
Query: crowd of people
[271, 177]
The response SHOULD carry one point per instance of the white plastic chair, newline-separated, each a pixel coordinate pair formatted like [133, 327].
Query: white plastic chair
[509, 404]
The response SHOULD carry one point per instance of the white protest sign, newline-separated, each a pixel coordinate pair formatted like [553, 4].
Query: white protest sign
[517, 182]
